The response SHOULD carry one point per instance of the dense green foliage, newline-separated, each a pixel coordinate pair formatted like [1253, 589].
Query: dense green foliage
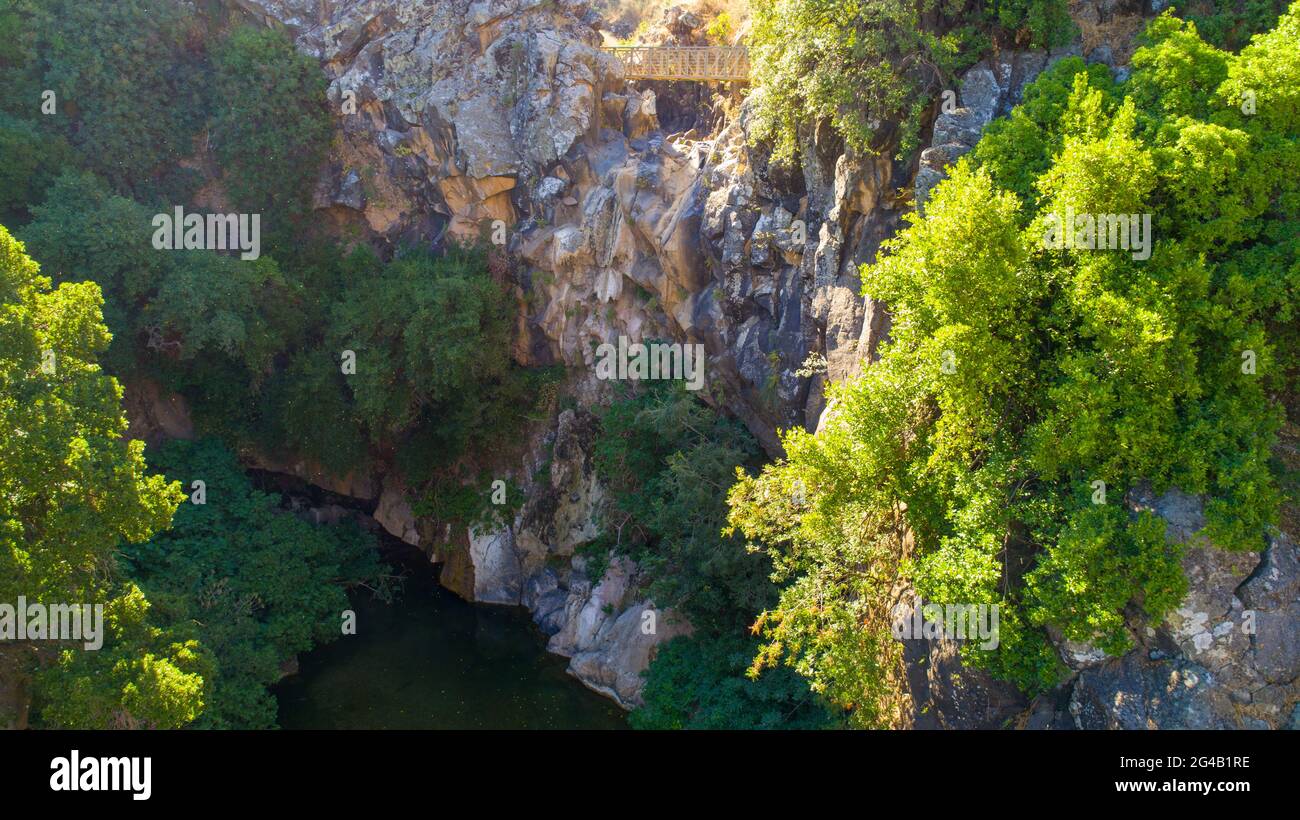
[257, 347]
[108, 99]
[17, 54]
[142, 85]
[700, 682]
[1229, 24]
[871, 68]
[71, 492]
[32, 159]
[184, 305]
[201, 616]
[432, 340]
[271, 127]
[252, 584]
[1019, 377]
[143, 677]
[667, 461]
[1018, 374]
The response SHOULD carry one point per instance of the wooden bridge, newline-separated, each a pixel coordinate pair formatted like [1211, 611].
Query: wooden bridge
[701, 63]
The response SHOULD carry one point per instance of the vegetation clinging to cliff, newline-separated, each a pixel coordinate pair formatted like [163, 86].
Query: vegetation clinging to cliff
[1027, 389]
[869, 67]
[667, 460]
[270, 127]
[256, 346]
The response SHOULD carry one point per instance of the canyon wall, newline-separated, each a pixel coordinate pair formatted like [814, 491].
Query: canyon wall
[459, 117]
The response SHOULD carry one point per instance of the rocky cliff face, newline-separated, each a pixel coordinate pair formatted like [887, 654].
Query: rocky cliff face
[469, 113]
[465, 120]
[459, 118]
[1228, 657]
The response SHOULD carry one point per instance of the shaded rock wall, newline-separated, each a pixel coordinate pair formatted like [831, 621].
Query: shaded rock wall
[1227, 658]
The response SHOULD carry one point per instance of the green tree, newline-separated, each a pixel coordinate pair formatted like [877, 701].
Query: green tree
[667, 459]
[178, 314]
[700, 683]
[252, 584]
[144, 677]
[1019, 373]
[870, 68]
[127, 79]
[432, 340]
[1229, 24]
[270, 125]
[31, 160]
[18, 70]
[72, 492]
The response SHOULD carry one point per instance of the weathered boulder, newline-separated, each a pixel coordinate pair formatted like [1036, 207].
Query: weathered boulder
[497, 577]
[610, 633]
[1133, 692]
[1227, 657]
[1272, 595]
[394, 512]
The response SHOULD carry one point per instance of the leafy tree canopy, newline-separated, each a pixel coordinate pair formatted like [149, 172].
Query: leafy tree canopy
[72, 492]
[1020, 374]
[127, 81]
[700, 683]
[270, 127]
[667, 460]
[252, 584]
[870, 68]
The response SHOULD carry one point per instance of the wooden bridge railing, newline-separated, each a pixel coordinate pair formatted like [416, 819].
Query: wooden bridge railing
[707, 63]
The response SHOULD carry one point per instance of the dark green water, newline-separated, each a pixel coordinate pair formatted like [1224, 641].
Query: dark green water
[433, 661]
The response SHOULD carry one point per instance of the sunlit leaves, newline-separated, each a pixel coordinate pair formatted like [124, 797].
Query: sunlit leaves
[72, 492]
[1020, 374]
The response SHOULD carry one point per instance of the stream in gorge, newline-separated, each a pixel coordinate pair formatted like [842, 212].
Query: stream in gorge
[430, 660]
